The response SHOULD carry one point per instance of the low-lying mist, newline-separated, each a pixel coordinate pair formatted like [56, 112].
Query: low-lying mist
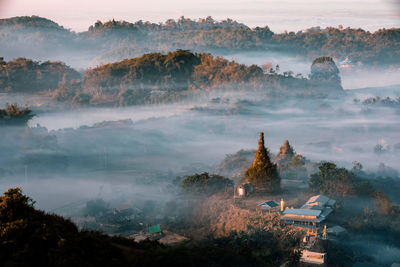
[77, 152]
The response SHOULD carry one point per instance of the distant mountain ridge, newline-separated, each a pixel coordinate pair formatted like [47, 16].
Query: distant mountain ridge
[42, 39]
[33, 21]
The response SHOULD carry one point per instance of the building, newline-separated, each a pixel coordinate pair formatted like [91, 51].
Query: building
[245, 189]
[311, 214]
[313, 257]
[268, 205]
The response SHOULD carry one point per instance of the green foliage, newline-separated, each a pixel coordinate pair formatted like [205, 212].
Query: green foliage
[323, 60]
[205, 34]
[235, 164]
[153, 69]
[383, 220]
[296, 168]
[384, 206]
[378, 101]
[96, 207]
[25, 75]
[158, 78]
[29, 237]
[294, 258]
[13, 114]
[338, 182]
[262, 173]
[205, 183]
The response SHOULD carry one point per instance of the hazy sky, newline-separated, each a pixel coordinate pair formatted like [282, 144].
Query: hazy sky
[278, 14]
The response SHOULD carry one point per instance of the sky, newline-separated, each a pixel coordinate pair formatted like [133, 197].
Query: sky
[279, 15]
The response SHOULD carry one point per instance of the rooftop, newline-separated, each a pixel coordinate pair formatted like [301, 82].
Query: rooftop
[305, 212]
[268, 204]
[154, 229]
[316, 209]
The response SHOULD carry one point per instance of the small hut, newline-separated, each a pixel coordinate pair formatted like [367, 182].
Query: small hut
[245, 189]
[269, 205]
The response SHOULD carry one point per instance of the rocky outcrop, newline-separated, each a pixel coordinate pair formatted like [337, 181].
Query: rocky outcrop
[325, 75]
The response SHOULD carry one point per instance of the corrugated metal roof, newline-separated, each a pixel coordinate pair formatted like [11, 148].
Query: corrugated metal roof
[270, 204]
[154, 229]
[326, 212]
[331, 202]
[305, 212]
[320, 199]
[297, 218]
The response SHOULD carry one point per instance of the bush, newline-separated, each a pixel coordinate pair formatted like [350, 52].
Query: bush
[205, 183]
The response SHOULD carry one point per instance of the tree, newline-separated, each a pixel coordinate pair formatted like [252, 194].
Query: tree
[383, 204]
[338, 182]
[205, 184]
[267, 67]
[30, 237]
[96, 207]
[294, 258]
[262, 173]
[15, 115]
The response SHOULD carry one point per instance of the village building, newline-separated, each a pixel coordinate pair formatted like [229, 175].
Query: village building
[244, 190]
[268, 205]
[311, 214]
[313, 257]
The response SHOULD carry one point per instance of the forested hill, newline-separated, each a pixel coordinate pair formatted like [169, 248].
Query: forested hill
[116, 40]
[33, 22]
[23, 75]
[160, 78]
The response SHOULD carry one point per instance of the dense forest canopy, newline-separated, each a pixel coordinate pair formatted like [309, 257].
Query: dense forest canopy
[28, 76]
[114, 40]
[338, 182]
[15, 115]
[158, 78]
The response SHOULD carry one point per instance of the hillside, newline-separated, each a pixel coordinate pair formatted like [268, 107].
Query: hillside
[161, 78]
[158, 78]
[28, 76]
[30, 237]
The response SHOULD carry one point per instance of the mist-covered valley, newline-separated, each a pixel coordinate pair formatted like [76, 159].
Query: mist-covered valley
[140, 140]
[85, 163]
[141, 143]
